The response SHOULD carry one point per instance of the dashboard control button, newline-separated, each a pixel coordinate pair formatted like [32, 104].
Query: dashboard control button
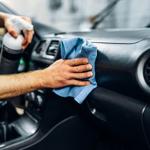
[39, 100]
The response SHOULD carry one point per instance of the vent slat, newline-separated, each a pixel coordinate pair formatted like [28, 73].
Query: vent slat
[148, 68]
[146, 72]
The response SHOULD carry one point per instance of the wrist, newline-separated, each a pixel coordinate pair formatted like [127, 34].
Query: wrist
[47, 79]
[40, 79]
[35, 79]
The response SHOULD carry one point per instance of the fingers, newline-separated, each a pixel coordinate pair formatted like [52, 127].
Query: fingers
[28, 35]
[80, 71]
[81, 68]
[77, 61]
[62, 74]
[81, 75]
[78, 83]
[11, 30]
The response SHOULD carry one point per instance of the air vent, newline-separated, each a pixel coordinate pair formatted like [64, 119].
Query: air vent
[143, 72]
[53, 48]
[40, 46]
[147, 71]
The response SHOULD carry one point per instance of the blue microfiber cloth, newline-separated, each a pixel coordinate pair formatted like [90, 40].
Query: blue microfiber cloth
[77, 48]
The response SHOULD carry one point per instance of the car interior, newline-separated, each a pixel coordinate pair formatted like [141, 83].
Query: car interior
[114, 116]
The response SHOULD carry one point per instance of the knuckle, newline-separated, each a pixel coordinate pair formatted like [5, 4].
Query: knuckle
[82, 83]
[69, 82]
[89, 66]
[65, 61]
[77, 82]
[74, 61]
[84, 60]
[67, 69]
[67, 76]
[60, 61]
[80, 76]
[73, 82]
[77, 69]
[86, 83]
[86, 74]
[64, 82]
[81, 60]
[89, 74]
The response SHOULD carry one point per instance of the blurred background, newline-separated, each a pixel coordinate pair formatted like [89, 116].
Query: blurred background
[77, 15]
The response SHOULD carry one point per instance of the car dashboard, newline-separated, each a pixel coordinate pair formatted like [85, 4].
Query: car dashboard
[122, 70]
[121, 54]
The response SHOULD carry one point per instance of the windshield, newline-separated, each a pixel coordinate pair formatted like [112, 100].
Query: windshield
[76, 15]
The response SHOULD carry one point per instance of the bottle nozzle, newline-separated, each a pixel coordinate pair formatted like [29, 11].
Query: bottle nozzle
[20, 24]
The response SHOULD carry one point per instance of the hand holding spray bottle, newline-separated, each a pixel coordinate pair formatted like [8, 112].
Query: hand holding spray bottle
[10, 54]
[12, 47]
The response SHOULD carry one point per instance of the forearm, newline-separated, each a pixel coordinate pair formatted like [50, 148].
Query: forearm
[60, 74]
[14, 85]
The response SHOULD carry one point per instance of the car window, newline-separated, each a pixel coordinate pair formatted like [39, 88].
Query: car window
[75, 15]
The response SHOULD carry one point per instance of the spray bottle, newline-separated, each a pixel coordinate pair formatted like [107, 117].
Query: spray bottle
[12, 47]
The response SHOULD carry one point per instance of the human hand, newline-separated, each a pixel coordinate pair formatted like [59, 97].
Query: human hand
[28, 34]
[66, 73]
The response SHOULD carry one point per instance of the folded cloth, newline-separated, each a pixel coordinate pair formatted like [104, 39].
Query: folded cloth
[77, 48]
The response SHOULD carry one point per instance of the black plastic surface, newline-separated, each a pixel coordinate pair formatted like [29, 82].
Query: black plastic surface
[122, 114]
